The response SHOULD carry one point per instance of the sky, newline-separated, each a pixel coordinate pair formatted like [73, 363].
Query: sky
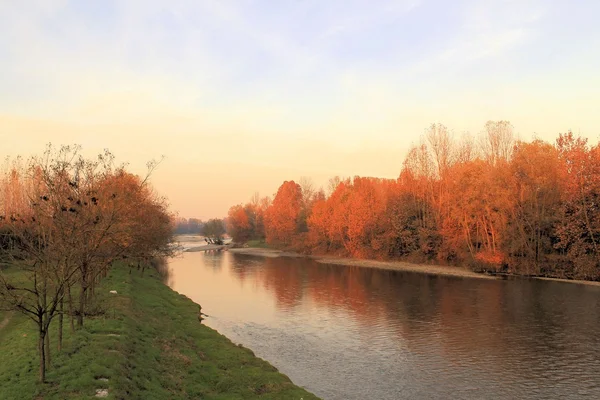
[239, 96]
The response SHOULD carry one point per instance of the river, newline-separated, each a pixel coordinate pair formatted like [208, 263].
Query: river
[359, 333]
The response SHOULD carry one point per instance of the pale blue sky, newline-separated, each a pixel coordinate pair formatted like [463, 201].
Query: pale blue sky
[297, 87]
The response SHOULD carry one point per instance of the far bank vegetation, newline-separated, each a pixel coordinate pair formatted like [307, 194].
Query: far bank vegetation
[490, 203]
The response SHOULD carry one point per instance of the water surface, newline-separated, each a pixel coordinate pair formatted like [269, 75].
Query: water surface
[358, 333]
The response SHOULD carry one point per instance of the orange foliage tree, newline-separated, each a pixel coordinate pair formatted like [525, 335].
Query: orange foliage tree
[246, 222]
[65, 219]
[579, 229]
[493, 204]
[282, 218]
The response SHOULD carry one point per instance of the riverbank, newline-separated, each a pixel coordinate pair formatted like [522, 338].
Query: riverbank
[147, 343]
[391, 265]
[265, 252]
[206, 247]
[430, 269]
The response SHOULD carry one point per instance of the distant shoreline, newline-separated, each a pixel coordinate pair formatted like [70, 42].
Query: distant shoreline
[388, 265]
[589, 283]
[205, 247]
[430, 269]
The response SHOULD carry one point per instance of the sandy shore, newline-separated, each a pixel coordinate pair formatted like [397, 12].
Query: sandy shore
[206, 247]
[393, 265]
[271, 253]
[589, 283]
[430, 269]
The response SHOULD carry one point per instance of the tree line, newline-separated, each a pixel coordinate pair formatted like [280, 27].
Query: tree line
[490, 202]
[213, 228]
[189, 226]
[64, 222]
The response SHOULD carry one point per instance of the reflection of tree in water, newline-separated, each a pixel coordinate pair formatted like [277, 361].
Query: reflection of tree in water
[516, 330]
[164, 271]
[341, 287]
[244, 266]
[286, 278]
[330, 286]
[213, 259]
[510, 329]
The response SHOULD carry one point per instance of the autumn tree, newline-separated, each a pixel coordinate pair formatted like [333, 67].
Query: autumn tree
[527, 208]
[418, 185]
[480, 203]
[144, 229]
[579, 228]
[309, 194]
[282, 218]
[537, 190]
[404, 213]
[366, 204]
[40, 234]
[214, 228]
[318, 224]
[339, 208]
[238, 224]
[77, 217]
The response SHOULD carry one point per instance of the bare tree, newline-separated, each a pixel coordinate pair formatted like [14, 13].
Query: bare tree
[498, 141]
[466, 151]
[333, 184]
[36, 247]
[440, 144]
[308, 189]
[214, 229]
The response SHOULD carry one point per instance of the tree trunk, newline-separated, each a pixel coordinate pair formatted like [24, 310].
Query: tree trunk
[42, 352]
[47, 346]
[90, 291]
[82, 294]
[60, 324]
[45, 323]
[71, 308]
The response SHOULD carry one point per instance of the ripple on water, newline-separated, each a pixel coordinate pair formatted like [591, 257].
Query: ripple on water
[351, 333]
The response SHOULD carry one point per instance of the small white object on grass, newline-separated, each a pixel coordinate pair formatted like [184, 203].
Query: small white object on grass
[113, 291]
[101, 392]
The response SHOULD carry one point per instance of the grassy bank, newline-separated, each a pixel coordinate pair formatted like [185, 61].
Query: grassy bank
[148, 344]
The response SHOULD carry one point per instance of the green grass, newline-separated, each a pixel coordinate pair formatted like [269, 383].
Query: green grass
[162, 352]
[257, 243]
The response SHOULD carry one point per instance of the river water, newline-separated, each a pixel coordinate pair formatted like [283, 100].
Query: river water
[359, 333]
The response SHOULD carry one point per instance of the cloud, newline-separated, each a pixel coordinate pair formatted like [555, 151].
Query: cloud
[336, 87]
[368, 16]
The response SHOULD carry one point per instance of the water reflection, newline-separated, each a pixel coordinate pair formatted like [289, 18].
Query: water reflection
[353, 333]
